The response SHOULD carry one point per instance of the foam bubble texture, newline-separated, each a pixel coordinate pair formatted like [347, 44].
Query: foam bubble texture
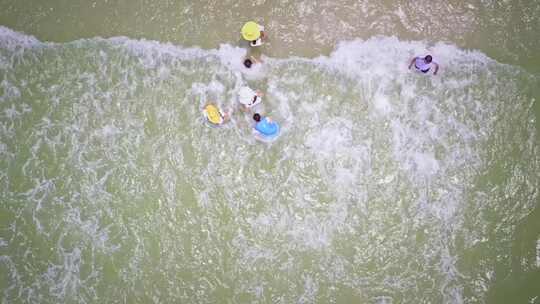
[377, 191]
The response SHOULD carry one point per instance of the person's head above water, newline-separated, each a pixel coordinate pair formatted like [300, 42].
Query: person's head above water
[257, 117]
[428, 58]
[248, 63]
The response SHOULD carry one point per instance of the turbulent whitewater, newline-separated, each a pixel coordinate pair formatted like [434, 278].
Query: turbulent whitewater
[385, 186]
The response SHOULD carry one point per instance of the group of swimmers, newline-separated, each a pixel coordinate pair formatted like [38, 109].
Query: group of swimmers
[248, 98]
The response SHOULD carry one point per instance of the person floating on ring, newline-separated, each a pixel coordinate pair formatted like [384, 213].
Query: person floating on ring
[423, 64]
[265, 127]
[254, 33]
[214, 115]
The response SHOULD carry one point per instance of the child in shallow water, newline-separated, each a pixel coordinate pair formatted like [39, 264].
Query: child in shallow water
[265, 125]
[249, 62]
[214, 115]
[259, 41]
[249, 98]
[254, 33]
[423, 64]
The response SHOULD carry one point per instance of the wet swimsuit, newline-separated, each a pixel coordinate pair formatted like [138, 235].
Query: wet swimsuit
[421, 65]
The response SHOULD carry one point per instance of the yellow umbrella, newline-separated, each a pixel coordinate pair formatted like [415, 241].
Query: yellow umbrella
[251, 31]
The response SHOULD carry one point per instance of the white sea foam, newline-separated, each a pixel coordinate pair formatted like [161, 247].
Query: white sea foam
[362, 184]
[15, 41]
[65, 278]
[538, 253]
[9, 91]
[233, 58]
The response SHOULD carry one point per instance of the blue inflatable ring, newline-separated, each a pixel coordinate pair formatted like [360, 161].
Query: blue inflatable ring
[267, 129]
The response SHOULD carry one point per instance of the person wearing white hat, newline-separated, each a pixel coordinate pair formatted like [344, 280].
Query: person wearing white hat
[249, 98]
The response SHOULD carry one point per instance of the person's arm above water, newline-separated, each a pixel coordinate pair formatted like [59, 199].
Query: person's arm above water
[227, 115]
[436, 68]
[412, 62]
[255, 60]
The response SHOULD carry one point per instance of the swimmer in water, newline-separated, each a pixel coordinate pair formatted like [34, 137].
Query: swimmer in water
[248, 62]
[214, 115]
[423, 64]
[257, 117]
[249, 98]
[265, 125]
[254, 33]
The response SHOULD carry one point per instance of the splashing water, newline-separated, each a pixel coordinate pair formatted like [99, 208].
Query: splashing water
[382, 188]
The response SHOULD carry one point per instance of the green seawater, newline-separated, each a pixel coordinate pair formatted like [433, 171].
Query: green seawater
[384, 186]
